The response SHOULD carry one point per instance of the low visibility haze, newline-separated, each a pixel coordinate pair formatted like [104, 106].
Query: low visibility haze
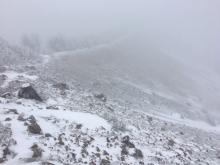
[109, 82]
[173, 43]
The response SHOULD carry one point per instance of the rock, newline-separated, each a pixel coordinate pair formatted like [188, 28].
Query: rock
[47, 163]
[138, 154]
[21, 117]
[37, 152]
[32, 119]
[5, 152]
[18, 102]
[6, 95]
[92, 163]
[105, 162]
[105, 152]
[124, 150]
[48, 135]
[61, 86]
[149, 119]
[171, 142]
[101, 97]
[78, 126]
[127, 143]
[28, 92]
[60, 140]
[2, 160]
[8, 119]
[33, 127]
[14, 111]
[52, 107]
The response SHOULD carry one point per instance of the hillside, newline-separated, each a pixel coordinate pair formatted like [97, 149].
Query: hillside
[61, 120]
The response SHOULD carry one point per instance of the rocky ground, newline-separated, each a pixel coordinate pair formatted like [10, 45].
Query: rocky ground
[46, 121]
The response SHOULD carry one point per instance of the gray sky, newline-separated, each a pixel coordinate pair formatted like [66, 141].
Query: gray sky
[185, 27]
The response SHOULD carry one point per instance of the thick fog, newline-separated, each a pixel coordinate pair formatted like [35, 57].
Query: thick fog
[187, 30]
[189, 27]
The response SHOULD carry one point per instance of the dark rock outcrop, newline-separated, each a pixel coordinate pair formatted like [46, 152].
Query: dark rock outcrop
[28, 92]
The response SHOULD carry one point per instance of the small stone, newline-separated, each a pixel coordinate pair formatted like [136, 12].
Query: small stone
[47, 163]
[34, 128]
[78, 126]
[60, 140]
[52, 107]
[14, 111]
[124, 151]
[171, 142]
[32, 119]
[138, 154]
[21, 117]
[48, 135]
[37, 152]
[105, 152]
[8, 119]
[101, 97]
[127, 143]
[61, 86]
[105, 162]
[6, 95]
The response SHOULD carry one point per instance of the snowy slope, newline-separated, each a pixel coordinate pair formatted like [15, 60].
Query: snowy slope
[144, 78]
[78, 125]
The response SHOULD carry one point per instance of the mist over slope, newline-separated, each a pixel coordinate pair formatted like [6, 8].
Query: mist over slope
[143, 76]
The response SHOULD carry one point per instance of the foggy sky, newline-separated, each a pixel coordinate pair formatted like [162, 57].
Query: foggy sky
[189, 27]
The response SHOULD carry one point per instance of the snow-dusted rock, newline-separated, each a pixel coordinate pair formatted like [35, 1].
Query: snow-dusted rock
[28, 92]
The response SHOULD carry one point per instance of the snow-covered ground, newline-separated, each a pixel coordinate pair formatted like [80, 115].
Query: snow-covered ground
[75, 125]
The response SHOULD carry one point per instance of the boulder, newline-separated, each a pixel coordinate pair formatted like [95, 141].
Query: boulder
[28, 92]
